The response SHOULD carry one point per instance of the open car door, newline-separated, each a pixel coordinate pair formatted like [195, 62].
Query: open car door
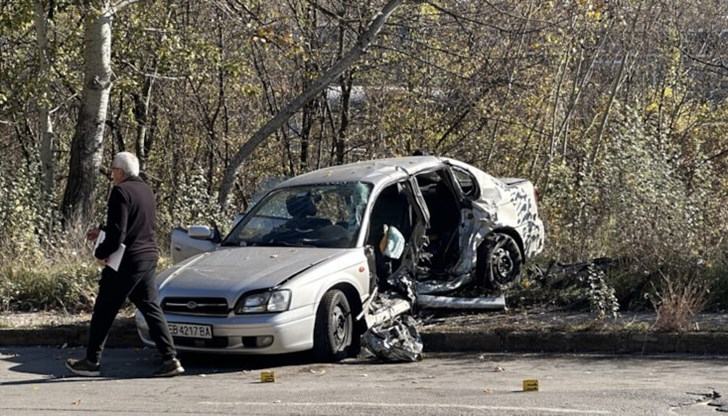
[185, 243]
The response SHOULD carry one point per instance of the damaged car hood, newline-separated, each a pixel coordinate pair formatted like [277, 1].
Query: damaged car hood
[232, 270]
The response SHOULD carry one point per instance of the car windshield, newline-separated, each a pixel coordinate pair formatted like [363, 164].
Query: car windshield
[321, 215]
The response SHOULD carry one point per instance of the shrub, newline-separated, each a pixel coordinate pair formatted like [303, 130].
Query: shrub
[602, 298]
[22, 214]
[681, 293]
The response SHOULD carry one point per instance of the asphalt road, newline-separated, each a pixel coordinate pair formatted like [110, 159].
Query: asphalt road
[33, 381]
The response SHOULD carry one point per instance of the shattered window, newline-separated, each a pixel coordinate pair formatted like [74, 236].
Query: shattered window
[321, 215]
[466, 181]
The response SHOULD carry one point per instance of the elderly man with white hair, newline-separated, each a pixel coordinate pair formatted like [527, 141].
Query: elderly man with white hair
[130, 221]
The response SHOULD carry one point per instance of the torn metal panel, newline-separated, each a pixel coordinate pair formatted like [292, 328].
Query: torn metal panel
[396, 340]
[403, 284]
[392, 332]
[489, 303]
[474, 227]
[443, 286]
[393, 308]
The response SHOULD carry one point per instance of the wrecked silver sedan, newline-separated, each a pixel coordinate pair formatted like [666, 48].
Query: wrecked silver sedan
[338, 259]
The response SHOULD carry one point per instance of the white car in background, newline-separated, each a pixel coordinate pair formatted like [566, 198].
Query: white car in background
[332, 255]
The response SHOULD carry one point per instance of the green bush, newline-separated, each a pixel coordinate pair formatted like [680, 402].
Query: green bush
[23, 214]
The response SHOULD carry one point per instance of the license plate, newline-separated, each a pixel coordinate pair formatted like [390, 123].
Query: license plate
[190, 330]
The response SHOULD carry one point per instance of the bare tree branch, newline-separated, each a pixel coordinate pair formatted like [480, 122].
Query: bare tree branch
[307, 95]
[120, 5]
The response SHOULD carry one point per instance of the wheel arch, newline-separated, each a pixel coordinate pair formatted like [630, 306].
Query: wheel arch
[322, 347]
[479, 269]
[352, 296]
[511, 232]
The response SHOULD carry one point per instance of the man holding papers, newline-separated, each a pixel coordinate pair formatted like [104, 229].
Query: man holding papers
[127, 248]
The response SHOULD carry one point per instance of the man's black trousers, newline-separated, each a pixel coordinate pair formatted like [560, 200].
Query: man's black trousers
[134, 280]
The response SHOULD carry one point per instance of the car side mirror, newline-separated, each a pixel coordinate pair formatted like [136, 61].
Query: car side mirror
[200, 232]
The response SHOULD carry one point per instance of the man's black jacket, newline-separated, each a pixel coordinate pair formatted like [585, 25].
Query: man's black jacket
[130, 220]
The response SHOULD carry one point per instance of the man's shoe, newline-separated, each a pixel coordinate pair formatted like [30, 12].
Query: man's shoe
[169, 368]
[83, 367]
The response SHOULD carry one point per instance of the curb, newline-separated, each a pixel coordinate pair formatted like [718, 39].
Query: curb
[699, 343]
[124, 335]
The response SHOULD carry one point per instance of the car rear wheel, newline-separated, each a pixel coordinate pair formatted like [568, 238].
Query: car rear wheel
[499, 262]
[334, 327]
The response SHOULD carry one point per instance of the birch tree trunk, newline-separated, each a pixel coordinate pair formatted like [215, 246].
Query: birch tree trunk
[87, 144]
[44, 114]
[143, 120]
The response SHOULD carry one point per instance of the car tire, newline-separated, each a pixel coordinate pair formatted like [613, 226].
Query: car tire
[499, 262]
[334, 328]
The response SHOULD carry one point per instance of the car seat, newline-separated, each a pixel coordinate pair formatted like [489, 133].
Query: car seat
[302, 209]
[301, 206]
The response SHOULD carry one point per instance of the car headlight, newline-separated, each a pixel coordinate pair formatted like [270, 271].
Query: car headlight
[271, 301]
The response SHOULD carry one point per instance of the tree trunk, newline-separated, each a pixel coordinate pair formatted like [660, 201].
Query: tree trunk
[87, 144]
[613, 94]
[340, 146]
[44, 114]
[345, 82]
[141, 116]
[307, 95]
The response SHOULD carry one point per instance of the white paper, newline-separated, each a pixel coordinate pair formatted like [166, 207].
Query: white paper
[114, 259]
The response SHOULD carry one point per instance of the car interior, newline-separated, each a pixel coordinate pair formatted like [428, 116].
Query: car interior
[393, 209]
[444, 211]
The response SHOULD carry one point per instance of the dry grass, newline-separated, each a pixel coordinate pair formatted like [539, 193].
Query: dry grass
[678, 301]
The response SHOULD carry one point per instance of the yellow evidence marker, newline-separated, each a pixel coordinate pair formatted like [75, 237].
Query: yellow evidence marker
[267, 377]
[530, 385]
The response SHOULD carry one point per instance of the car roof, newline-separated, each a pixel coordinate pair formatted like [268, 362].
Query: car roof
[376, 171]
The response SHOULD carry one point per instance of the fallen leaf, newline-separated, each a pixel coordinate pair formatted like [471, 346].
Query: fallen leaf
[76, 402]
[488, 391]
[499, 369]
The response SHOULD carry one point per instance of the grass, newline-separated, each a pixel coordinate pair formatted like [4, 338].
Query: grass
[69, 288]
[677, 302]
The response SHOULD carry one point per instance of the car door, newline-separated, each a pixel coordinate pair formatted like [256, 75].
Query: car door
[185, 243]
[188, 242]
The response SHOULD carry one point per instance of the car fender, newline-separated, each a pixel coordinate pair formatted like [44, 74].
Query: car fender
[350, 269]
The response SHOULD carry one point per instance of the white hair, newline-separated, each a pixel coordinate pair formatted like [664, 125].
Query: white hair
[127, 162]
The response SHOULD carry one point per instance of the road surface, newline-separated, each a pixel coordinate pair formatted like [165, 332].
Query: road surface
[33, 381]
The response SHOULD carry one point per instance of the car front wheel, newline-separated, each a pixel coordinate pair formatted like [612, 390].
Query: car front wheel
[334, 327]
[499, 262]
